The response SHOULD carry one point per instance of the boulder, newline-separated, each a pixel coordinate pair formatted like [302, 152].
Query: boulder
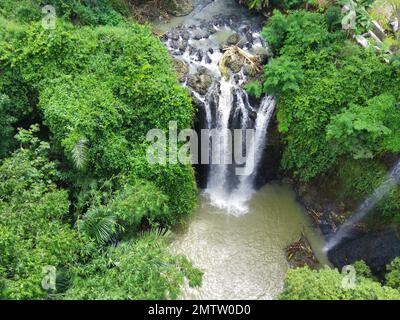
[233, 39]
[201, 81]
[181, 68]
[179, 8]
[235, 65]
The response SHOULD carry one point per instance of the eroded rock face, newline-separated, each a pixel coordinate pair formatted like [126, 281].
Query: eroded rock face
[376, 248]
[179, 7]
[201, 81]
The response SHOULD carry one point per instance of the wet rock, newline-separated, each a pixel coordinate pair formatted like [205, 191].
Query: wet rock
[264, 57]
[249, 37]
[180, 8]
[248, 45]
[185, 35]
[164, 37]
[201, 34]
[197, 102]
[182, 45]
[200, 122]
[211, 29]
[174, 34]
[248, 71]
[181, 68]
[377, 248]
[211, 50]
[191, 50]
[175, 44]
[201, 81]
[199, 55]
[198, 36]
[235, 65]
[208, 59]
[233, 39]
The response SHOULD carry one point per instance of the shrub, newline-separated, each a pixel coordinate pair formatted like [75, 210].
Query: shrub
[393, 275]
[326, 284]
[139, 270]
[282, 75]
[33, 234]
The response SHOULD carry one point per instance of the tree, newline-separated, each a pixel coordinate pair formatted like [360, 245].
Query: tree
[282, 76]
[33, 234]
[138, 270]
[366, 131]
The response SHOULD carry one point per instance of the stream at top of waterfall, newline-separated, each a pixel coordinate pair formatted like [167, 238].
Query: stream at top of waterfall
[237, 235]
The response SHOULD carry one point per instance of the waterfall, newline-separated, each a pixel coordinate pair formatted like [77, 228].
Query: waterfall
[226, 106]
[392, 180]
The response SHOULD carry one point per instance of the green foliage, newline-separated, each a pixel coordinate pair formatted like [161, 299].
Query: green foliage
[335, 76]
[367, 131]
[361, 9]
[282, 75]
[326, 284]
[85, 12]
[142, 269]
[254, 88]
[33, 233]
[100, 225]
[297, 33]
[6, 121]
[286, 4]
[276, 30]
[122, 81]
[362, 269]
[393, 275]
[96, 92]
[126, 211]
[333, 17]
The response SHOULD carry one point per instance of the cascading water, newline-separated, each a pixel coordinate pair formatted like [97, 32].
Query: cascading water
[344, 230]
[241, 195]
[226, 107]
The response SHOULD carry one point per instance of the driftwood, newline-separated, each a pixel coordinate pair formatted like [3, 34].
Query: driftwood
[300, 254]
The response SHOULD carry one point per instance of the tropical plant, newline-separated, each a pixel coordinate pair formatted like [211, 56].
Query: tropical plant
[282, 76]
[136, 270]
[393, 275]
[327, 284]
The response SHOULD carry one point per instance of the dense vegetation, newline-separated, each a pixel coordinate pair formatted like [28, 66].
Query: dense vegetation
[329, 284]
[76, 102]
[337, 105]
[339, 117]
[77, 192]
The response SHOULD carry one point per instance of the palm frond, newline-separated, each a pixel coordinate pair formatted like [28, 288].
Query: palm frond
[100, 225]
[79, 153]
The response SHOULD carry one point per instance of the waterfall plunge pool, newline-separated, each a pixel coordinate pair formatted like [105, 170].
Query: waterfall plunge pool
[244, 257]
